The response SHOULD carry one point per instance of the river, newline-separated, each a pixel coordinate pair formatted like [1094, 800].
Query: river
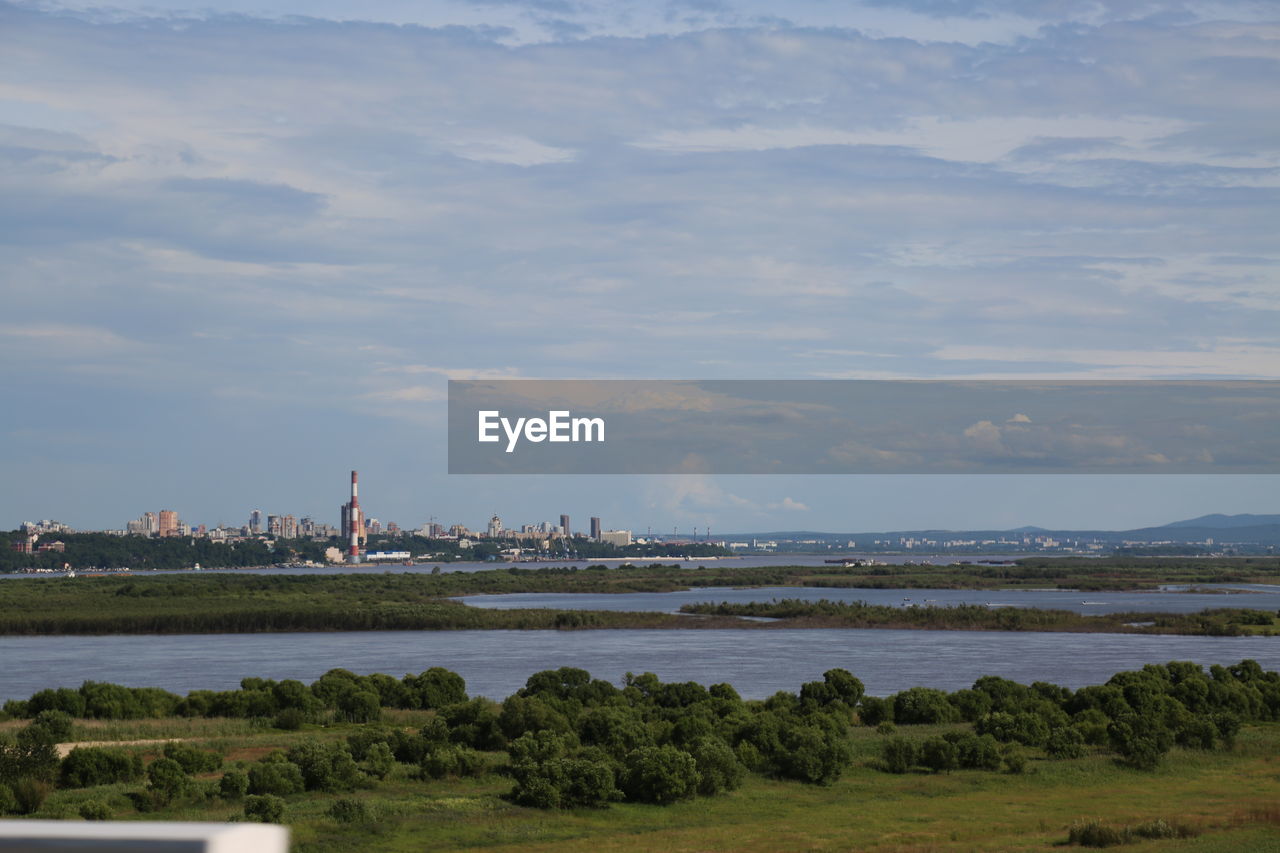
[496, 663]
[1170, 600]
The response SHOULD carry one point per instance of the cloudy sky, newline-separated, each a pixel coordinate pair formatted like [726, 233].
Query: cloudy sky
[244, 244]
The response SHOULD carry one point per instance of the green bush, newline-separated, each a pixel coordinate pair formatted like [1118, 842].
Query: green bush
[233, 785]
[95, 810]
[279, 778]
[718, 768]
[325, 766]
[289, 719]
[939, 754]
[898, 754]
[56, 723]
[90, 766]
[379, 761]
[29, 795]
[191, 759]
[167, 781]
[1064, 742]
[346, 810]
[453, 761]
[660, 774]
[266, 808]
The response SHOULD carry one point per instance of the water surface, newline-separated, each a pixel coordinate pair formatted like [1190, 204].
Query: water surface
[496, 663]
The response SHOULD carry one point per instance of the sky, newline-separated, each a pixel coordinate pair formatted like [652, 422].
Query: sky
[244, 245]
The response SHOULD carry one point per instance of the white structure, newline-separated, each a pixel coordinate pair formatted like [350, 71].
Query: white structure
[136, 836]
[620, 538]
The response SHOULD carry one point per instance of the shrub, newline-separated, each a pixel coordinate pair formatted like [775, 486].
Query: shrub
[919, 705]
[939, 754]
[1064, 742]
[325, 766]
[379, 761]
[360, 706]
[95, 810]
[898, 754]
[279, 778]
[290, 719]
[812, 755]
[886, 728]
[978, 752]
[166, 780]
[453, 761]
[90, 766]
[264, 809]
[873, 711]
[660, 774]
[1015, 760]
[346, 810]
[191, 759]
[718, 768]
[233, 785]
[56, 723]
[29, 795]
[8, 804]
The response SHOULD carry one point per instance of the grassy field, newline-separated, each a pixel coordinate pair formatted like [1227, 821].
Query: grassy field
[1230, 798]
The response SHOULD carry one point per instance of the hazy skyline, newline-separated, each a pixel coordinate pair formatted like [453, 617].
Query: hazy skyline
[243, 247]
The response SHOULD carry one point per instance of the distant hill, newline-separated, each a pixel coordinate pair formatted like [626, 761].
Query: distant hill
[1218, 521]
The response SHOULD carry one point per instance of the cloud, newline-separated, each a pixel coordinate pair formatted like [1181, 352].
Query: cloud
[789, 505]
[288, 202]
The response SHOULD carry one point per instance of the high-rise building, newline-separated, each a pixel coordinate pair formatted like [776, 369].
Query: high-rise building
[274, 525]
[255, 522]
[495, 527]
[595, 528]
[167, 523]
[289, 527]
[564, 526]
[150, 524]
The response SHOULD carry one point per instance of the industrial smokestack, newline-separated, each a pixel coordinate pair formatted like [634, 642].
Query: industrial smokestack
[356, 521]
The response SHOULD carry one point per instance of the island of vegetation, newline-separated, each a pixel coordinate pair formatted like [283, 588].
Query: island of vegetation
[373, 762]
[238, 603]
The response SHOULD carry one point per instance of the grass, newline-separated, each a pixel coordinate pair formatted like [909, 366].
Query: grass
[1228, 797]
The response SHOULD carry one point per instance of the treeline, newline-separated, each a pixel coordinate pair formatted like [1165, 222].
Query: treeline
[1224, 622]
[568, 740]
[106, 551]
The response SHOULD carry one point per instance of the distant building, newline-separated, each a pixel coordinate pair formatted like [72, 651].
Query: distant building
[275, 525]
[289, 527]
[595, 528]
[150, 524]
[495, 527]
[564, 526]
[58, 547]
[620, 538]
[167, 523]
[255, 522]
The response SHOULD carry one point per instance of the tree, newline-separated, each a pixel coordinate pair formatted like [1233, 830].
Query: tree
[279, 778]
[660, 774]
[264, 808]
[718, 768]
[167, 781]
[233, 785]
[898, 754]
[939, 754]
